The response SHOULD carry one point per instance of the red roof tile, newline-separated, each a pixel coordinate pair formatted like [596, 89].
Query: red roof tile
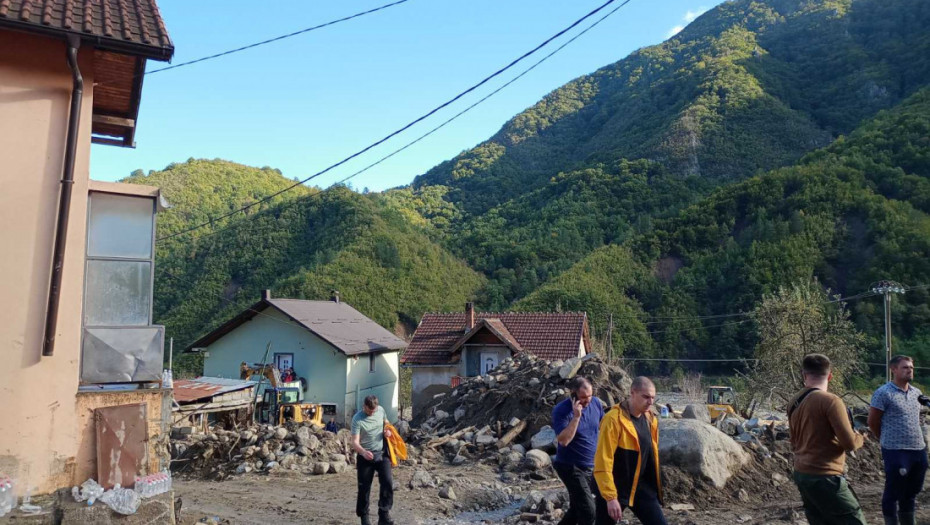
[129, 26]
[546, 335]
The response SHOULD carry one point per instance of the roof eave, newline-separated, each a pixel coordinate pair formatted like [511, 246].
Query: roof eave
[160, 53]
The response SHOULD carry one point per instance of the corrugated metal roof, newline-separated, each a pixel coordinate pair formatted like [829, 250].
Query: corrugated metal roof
[187, 390]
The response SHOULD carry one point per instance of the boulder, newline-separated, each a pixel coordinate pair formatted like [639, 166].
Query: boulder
[569, 368]
[537, 459]
[280, 433]
[447, 493]
[518, 448]
[421, 479]
[403, 427]
[320, 467]
[459, 413]
[544, 439]
[485, 439]
[698, 412]
[700, 449]
[338, 467]
[440, 415]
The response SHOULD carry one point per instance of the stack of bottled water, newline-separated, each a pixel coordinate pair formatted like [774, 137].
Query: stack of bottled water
[153, 484]
[90, 490]
[7, 498]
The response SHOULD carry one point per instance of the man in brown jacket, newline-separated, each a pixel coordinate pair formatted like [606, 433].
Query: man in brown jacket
[821, 434]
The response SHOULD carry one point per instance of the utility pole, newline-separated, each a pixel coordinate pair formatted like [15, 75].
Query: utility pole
[886, 288]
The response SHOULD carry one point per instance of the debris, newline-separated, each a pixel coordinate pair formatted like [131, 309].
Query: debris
[544, 439]
[447, 493]
[537, 459]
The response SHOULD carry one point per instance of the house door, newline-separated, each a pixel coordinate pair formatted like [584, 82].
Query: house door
[488, 362]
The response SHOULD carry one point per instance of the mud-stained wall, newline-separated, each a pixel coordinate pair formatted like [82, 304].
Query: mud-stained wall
[86, 464]
[39, 437]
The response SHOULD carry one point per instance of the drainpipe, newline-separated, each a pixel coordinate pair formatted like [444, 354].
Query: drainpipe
[64, 205]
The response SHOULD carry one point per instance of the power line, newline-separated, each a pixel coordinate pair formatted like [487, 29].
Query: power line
[275, 39]
[486, 97]
[397, 132]
[454, 117]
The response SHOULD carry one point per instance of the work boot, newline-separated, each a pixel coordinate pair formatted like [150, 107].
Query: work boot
[906, 518]
[385, 519]
[366, 520]
[890, 520]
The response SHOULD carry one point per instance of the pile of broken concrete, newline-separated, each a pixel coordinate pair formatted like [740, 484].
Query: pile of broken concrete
[219, 453]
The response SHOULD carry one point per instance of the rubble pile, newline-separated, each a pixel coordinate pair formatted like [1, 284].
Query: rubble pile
[262, 448]
[514, 401]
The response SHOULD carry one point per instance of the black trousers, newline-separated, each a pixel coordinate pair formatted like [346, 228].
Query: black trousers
[901, 489]
[581, 489]
[646, 507]
[366, 474]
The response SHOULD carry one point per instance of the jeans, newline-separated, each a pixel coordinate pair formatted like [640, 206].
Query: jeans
[366, 474]
[581, 489]
[646, 507]
[828, 500]
[901, 489]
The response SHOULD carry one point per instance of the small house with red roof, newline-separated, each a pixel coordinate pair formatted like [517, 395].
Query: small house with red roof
[449, 346]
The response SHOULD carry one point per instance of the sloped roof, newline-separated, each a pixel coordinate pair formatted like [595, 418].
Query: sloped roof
[547, 335]
[340, 325]
[493, 325]
[135, 27]
[187, 390]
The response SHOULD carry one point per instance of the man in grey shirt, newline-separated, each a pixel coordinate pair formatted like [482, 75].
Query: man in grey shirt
[894, 418]
[368, 435]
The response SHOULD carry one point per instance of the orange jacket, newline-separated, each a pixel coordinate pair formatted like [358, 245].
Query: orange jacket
[397, 449]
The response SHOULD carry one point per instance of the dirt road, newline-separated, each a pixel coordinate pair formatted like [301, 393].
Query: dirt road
[291, 498]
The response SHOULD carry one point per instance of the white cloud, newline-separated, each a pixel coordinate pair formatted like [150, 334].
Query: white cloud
[674, 31]
[691, 15]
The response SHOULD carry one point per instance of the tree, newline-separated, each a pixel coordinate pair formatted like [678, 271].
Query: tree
[796, 321]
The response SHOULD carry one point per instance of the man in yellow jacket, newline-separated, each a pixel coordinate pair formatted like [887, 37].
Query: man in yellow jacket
[626, 464]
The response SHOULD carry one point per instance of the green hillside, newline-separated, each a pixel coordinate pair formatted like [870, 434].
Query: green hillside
[848, 215]
[769, 142]
[749, 85]
[305, 247]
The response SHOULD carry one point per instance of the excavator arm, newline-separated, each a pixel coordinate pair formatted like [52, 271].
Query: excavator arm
[268, 371]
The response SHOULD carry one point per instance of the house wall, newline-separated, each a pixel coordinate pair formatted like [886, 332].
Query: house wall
[383, 382]
[42, 431]
[318, 362]
[470, 365]
[428, 381]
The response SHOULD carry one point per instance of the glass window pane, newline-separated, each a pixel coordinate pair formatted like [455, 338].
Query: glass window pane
[119, 293]
[120, 226]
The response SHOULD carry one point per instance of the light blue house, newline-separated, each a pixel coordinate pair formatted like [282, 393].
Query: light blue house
[341, 355]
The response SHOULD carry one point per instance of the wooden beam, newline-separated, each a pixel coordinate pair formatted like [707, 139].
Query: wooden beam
[115, 121]
[108, 142]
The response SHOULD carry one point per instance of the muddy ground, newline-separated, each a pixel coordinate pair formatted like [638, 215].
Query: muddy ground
[291, 498]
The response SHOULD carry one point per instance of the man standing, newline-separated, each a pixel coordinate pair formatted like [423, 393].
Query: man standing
[368, 435]
[626, 465]
[821, 434]
[894, 418]
[576, 421]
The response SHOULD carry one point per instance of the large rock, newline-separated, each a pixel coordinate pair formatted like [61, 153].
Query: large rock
[698, 412]
[700, 449]
[569, 368]
[421, 479]
[537, 459]
[544, 439]
[321, 467]
[403, 427]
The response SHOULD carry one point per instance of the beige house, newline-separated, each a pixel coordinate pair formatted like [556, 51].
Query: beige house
[76, 261]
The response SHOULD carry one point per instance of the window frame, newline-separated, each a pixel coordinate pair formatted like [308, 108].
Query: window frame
[85, 327]
[371, 362]
[88, 258]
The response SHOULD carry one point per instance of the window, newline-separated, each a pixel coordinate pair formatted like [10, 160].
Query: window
[371, 363]
[120, 343]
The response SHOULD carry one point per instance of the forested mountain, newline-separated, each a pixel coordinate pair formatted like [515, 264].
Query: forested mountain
[302, 247]
[769, 142]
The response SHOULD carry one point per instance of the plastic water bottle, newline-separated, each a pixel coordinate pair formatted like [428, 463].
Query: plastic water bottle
[7, 498]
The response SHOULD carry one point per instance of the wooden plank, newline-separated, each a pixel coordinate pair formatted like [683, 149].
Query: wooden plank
[114, 121]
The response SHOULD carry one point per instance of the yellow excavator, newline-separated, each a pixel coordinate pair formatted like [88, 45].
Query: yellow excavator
[720, 401]
[281, 401]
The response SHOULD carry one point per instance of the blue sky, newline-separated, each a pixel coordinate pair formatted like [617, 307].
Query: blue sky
[304, 103]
